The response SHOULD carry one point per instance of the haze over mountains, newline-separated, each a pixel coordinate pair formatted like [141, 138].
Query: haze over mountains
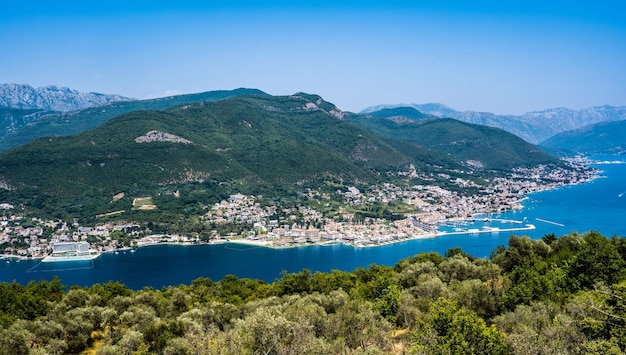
[534, 127]
[52, 98]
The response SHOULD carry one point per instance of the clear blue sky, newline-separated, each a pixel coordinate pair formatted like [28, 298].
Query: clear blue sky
[497, 56]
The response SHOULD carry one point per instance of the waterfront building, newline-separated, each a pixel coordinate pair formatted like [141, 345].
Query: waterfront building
[69, 251]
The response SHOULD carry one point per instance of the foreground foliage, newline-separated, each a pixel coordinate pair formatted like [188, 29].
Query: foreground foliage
[562, 295]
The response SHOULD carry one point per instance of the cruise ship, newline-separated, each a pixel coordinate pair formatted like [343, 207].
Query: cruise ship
[71, 251]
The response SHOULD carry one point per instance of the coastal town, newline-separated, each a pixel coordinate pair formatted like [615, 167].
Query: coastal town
[318, 220]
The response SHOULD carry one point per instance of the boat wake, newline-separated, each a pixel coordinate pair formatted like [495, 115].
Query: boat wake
[56, 269]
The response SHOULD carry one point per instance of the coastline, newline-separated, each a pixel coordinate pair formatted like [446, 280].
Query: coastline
[471, 231]
[364, 236]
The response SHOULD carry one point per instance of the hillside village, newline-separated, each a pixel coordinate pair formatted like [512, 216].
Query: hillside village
[427, 207]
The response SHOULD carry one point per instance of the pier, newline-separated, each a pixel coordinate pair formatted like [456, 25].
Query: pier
[550, 222]
[490, 230]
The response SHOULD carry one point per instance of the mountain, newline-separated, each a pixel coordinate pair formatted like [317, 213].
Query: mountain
[600, 138]
[469, 144]
[51, 98]
[399, 113]
[13, 119]
[533, 127]
[50, 124]
[253, 143]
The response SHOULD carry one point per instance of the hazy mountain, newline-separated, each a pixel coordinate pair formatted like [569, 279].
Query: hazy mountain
[48, 124]
[600, 138]
[51, 98]
[533, 127]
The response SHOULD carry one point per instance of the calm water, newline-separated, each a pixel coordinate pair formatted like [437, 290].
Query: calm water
[593, 206]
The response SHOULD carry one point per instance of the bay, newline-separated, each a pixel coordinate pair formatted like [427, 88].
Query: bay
[599, 205]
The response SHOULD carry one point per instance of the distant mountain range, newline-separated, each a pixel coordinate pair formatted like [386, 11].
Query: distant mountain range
[534, 127]
[600, 138]
[51, 98]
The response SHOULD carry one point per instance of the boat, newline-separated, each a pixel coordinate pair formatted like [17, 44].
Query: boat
[71, 251]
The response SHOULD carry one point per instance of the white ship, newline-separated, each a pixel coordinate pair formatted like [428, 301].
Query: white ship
[71, 251]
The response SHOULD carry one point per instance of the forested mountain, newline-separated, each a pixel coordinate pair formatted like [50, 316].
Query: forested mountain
[489, 147]
[562, 295]
[400, 113]
[49, 124]
[252, 142]
[534, 127]
[600, 138]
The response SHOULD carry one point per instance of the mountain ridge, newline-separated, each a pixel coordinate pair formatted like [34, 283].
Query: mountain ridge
[534, 126]
[475, 145]
[67, 123]
[52, 98]
[596, 139]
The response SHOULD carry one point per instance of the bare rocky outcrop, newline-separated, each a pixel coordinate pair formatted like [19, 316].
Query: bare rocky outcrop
[159, 136]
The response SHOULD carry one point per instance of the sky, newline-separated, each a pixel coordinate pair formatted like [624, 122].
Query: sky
[506, 57]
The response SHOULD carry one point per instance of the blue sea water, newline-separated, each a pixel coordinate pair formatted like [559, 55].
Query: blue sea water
[599, 205]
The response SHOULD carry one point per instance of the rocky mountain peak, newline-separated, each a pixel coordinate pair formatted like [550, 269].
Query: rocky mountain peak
[52, 98]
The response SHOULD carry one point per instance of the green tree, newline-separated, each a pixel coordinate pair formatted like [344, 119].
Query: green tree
[598, 261]
[457, 331]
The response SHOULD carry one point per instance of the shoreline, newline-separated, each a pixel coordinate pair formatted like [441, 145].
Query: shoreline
[268, 244]
[271, 245]
[359, 241]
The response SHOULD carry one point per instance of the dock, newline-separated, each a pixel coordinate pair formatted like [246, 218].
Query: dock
[490, 230]
[550, 222]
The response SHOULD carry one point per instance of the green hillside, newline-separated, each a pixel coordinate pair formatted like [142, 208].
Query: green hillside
[401, 112]
[600, 138]
[255, 143]
[492, 147]
[69, 123]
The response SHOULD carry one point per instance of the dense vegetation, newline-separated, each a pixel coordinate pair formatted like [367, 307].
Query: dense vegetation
[245, 143]
[493, 147]
[562, 295]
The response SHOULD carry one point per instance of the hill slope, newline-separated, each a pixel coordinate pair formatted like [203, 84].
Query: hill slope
[401, 112]
[600, 138]
[68, 123]
[254, 142]
[485, 146]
